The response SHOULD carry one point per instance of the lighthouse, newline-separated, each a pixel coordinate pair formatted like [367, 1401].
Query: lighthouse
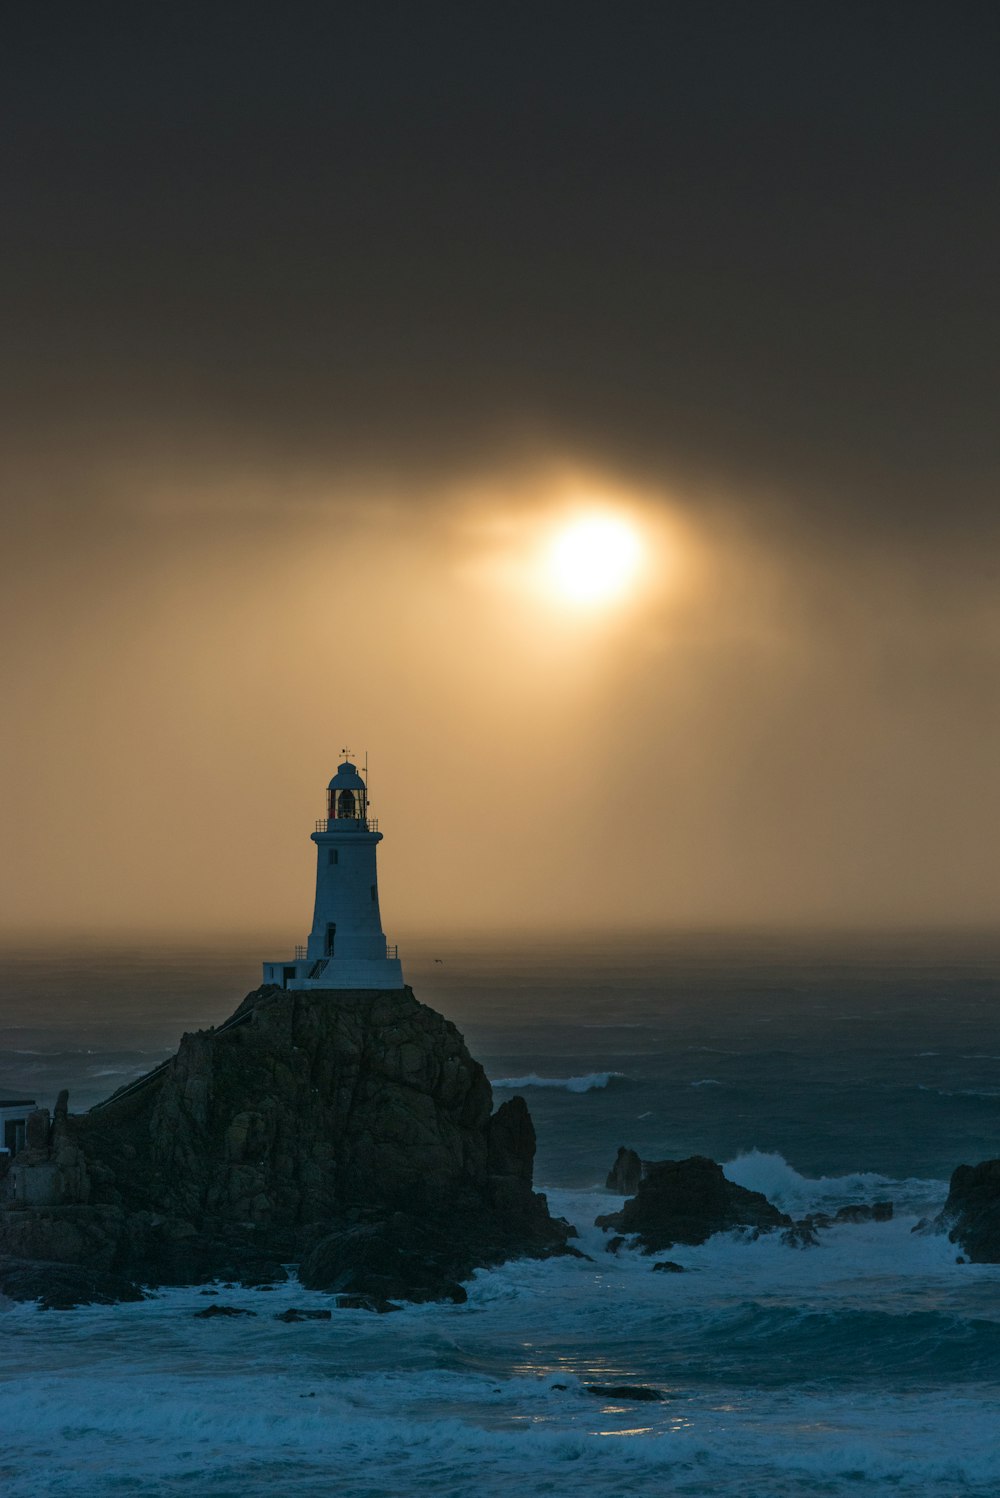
[347, 946]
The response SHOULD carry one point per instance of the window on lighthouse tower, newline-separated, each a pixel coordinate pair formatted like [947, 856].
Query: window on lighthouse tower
[345, 804]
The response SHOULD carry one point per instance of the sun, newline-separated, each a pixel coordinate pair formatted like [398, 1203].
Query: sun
[594, 560]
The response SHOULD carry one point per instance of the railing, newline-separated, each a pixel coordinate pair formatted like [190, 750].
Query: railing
[301, 953]
[330, 824]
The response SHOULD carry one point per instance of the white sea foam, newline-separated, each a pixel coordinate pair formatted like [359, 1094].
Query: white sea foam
[588, 1083]
[472, 1400]
[781, 1183]
[146, 1400]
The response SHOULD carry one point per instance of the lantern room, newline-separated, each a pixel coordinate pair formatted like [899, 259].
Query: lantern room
[346, 795]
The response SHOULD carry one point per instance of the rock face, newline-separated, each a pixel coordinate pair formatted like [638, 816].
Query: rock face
[686, 1201]
[972, 1212]
[308, 1119]
[58, 1287]
[626, 1173]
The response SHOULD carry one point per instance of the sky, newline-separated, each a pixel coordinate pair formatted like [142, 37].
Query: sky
[322, 322]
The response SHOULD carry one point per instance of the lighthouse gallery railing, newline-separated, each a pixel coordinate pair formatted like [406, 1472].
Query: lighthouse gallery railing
[330, 824]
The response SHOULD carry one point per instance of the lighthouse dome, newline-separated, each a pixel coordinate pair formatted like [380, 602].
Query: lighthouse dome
[346, 778]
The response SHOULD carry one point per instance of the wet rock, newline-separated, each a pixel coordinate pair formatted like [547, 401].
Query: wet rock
[298, 1314]
[864, 1212]
[800, 1235]
[624, 1391]
[687, 1201]
[399, 1258]
[366, 1303]
[60, 1287]
[626, 1173]
[613, 1244]
[211, 1311]
[971, 1215]
[668, 1266]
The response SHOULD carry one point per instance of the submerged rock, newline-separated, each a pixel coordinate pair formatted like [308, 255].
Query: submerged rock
[366, 1303]
[210, 1312]
[298, 1314]
[305, 1118]
[624, 1391]
[687, 1201]
[972, 1212]
[668, 1266]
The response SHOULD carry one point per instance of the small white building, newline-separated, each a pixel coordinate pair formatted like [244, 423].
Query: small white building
[13, 1122]
[347, 946]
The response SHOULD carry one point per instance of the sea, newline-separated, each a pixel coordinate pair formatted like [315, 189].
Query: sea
[822, 1070]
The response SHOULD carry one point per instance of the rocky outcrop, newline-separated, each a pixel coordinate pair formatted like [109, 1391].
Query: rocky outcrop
[58, 1287]
[687, 1201]
[972, 1212]
[308, 1119]
[626, 1173]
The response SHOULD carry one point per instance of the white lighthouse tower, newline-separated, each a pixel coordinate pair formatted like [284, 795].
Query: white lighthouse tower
[347, 946]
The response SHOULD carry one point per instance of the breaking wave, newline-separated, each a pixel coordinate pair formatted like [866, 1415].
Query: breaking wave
[588, 1083]
[783, 1185]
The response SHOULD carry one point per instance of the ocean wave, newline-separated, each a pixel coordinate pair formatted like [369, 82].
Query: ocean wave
[984, 1092]
[299, 1434]
[707, 1082]
[781, 1183]
[591, 1082]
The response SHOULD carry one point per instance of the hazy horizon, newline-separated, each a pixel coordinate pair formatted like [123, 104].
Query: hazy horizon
[317, 331]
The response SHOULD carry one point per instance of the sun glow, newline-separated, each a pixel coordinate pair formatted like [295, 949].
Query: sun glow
[594, 560]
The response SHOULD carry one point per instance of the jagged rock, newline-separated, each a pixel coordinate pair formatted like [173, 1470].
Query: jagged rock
[305, 1116]
[668, 1266]
[800, 1235]
[972, 1212]
[624, 1391]
[36, 1129]
[686, 1201]
[211, 1311]
[626, 1173]
[60, 1287]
